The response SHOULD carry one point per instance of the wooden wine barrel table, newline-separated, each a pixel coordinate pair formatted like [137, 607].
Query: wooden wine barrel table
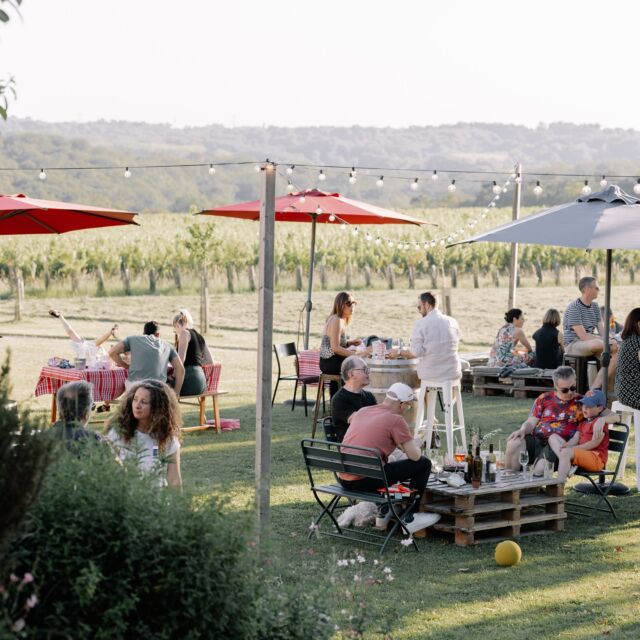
[384, 373]
[510, 508]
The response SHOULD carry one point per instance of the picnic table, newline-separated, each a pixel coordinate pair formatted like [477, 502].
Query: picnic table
[509, 508]
[108, 384]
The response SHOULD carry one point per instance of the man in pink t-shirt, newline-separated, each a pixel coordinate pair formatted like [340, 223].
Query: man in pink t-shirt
[383, 428]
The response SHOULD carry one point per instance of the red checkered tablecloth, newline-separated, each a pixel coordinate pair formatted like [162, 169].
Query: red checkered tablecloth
[108, 384]
[309, 365]
[212, 375]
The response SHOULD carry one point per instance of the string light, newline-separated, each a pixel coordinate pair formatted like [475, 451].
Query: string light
[352, 177]
[636, 187]
[603, 182]
[369, 237]
[380, 182]
[452, 187]
[518, 179]
[343, 226]
[212, 170]
[355, 231]
[301, 199]
[378, 240]
[496, 188]
[434, 175]
[257, 168]
[586, 190]
[332, 218]
[290, 186]
[318, 210]
[537, 190]
[127, 173]
[389, 243]
[42, 175]
[321, 176]
[414, 185]
[289, 169]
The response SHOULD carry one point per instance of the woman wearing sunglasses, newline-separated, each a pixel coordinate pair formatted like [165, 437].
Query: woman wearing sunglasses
[334, 346]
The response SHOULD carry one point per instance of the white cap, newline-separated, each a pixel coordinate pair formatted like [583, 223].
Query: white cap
[400, 391]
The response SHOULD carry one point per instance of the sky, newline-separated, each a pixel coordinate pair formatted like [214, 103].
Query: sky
[329, 62]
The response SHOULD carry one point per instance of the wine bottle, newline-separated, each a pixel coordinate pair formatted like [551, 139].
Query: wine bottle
[468, 466]
[476, 478]
[490, 469]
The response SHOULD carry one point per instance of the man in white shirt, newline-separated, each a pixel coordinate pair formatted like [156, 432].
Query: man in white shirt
[435, 341]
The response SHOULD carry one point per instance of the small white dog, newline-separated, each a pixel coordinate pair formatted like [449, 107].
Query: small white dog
[359, 515]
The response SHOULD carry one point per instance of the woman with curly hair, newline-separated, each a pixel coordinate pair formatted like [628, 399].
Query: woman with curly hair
[147, 427]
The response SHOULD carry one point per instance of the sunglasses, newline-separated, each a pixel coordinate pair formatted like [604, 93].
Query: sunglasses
[351, 303]
[364, 369]
[566, 389]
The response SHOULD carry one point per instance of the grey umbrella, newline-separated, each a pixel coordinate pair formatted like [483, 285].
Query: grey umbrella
[609, 219]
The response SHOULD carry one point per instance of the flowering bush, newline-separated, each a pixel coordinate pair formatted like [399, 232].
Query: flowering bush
[18, 598]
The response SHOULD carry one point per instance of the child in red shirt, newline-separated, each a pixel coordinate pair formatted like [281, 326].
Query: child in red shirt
[586, 449]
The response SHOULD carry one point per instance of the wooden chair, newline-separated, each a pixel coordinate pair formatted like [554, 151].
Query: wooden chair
[282, 352]
[325, 379]
[212, 375]
[617, 443]
[321, 455]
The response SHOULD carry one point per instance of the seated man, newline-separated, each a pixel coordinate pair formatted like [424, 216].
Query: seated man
[581, 319]
[74, 401]
[589, 447]
[150, 357]
[383, 428]
[554, 412]
[351, 397]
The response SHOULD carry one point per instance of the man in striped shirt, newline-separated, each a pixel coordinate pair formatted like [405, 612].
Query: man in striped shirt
[581, 319]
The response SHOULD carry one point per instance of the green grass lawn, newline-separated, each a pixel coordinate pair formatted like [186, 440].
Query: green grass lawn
[583, 583]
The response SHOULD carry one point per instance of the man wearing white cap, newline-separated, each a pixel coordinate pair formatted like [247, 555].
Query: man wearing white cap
[383, 428]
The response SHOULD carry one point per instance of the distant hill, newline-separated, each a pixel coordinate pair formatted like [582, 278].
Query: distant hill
[558, 147]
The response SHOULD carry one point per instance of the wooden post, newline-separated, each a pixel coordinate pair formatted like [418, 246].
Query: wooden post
[513, 268]
[265, 347]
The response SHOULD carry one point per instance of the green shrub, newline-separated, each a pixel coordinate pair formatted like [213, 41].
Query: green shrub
[113, 557]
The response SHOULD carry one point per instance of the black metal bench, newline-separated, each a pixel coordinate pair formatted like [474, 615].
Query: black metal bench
[322, 455]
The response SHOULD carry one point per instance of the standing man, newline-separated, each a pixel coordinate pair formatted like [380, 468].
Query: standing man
[150, 357]
[581, 319]
[351, 397]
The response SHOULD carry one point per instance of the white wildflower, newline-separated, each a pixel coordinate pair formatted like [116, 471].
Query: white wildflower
[360, 559]
[376, 562]
[387, 570]
[389, 577]
[352, 561]
[407, 542]
[356, 578]
[343, 563]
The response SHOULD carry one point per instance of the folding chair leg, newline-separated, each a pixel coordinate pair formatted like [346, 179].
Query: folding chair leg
[273, 399]
[328, 510]
[201, 400]
[295, 393]
[304, 399]
[216, 413]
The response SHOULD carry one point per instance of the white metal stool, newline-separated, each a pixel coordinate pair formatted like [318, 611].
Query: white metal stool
[629, 415]
[452, 397]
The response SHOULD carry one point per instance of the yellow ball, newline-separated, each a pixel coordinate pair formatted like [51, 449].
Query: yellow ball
[508, 553]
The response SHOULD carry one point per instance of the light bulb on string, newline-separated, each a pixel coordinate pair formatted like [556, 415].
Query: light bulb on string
[212, 170]
[586, 189]
[369, 237]
[257, 168]
[355, 231]
[512, 176]
[389, 243]
[332, 218]
[496, 197]
[289, 169]
[42, 175]
[604, 182]
[492, 204]
[318, 210]
[496, 188]
[378, 240]
[321, 176]
[127, 173]
[434, 175]
[426, 245]
[352, 177]
[343, 226]
[414, 185]
[537, 190]
[449, 239]
[380, 182]
[301, 199]
[506, 184]
[636, 187]
[518, 179]
[433, 243]
[290, 186]
[452, 187]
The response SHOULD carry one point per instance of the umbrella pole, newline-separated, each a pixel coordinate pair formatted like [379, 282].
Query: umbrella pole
[312, 261]
[515, 215]
[265, 349]
[606, 353]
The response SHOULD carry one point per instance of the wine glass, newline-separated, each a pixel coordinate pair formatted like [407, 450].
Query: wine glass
[524, 460]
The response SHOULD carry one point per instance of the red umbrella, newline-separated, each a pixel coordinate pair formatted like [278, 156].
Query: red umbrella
[316, 206]
[22, 215]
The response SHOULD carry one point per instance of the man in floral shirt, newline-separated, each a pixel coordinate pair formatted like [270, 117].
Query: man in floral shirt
[556, 411]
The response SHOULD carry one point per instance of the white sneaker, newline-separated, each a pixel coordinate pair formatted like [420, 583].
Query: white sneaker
[422, 521]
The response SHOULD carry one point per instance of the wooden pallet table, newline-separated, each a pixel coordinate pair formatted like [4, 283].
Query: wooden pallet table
[531, 386]
[511, 508]
[487, 382]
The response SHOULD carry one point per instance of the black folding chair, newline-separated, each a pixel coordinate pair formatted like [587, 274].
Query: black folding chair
[618, 435]
[282, 352]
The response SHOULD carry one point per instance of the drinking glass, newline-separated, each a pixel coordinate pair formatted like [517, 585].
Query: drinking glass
[459, 455]
[436, 460]
[524, 461]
